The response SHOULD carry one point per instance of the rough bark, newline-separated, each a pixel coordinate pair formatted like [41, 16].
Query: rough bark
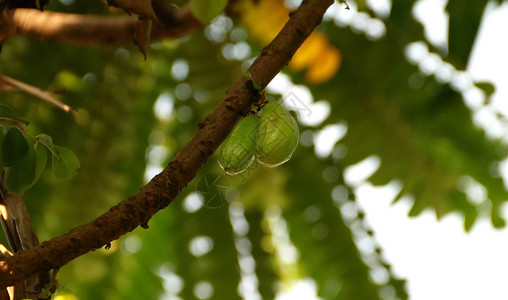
[163, 188]
[78, 29]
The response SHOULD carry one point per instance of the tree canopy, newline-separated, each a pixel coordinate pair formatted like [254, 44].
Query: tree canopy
[155, 86]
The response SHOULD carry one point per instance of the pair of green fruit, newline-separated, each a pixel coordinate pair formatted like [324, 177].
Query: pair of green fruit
[270, 138]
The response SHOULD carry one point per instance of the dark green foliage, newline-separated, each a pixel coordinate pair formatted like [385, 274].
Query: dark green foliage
[14, 147]
[465, 17]
[424, 135]
[21, 173]
[23, 157]
[327, 251]
[266, 269]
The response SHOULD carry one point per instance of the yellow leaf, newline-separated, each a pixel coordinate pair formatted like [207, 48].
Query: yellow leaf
[66, 297]
[264, 19]
[309, 51]
[325, 66]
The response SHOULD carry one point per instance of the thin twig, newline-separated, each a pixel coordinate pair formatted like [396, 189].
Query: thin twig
[37, 92]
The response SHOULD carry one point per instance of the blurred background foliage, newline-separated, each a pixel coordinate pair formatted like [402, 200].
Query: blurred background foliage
[253, 234]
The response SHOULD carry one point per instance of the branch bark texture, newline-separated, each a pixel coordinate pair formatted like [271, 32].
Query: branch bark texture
[96, 30]
[163, 188]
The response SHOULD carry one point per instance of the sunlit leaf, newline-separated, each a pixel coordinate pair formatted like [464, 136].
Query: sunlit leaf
[207, 10]
[321, 59]
[306, 54]
[324, 67]
[487, 87]
[65, 295]
[273, 13]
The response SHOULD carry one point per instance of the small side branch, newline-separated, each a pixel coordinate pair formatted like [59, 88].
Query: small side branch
[9, 83]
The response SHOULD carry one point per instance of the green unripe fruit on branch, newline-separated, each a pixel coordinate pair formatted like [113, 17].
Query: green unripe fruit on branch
[238, 150]
[277, 137]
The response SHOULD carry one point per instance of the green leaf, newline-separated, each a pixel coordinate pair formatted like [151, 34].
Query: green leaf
[206, 10]
[265, 267]
[256, 85]
[346, 275]
[14, 147]
[465, 18]
[47, 141]
[21, 176]
[41, 157]
[487, 87]
[65, 166]
[25, 174]
[428, 142]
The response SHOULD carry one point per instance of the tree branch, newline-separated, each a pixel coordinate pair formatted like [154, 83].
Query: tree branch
[8, 83]
[163, 188]
[142, 8]
[100, 30]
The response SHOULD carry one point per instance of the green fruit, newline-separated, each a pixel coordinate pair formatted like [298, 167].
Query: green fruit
[237, 151]
[278, 135]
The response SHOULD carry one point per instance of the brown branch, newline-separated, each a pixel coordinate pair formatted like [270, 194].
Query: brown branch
[8, 83]
[101, 30]
[163, 188]
[142, 8]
